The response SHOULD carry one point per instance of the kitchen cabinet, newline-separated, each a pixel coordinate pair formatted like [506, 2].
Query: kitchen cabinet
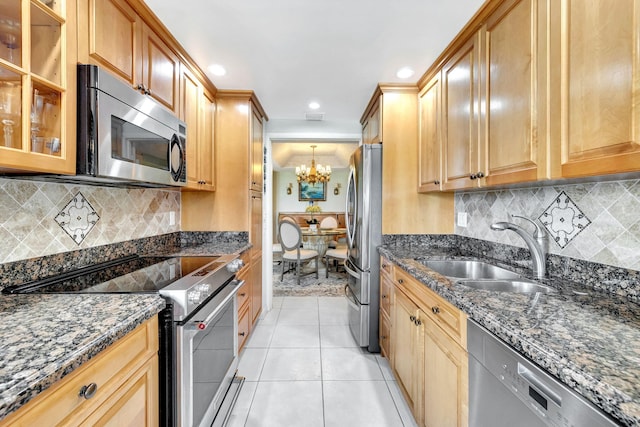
[386, 304]
[257, 157]
[430, 142]
[126, 376]
[396, 109]
[429, 357]
[244, 300]
[462, 157]
[113, 35]
[596, 75]
[255, 237]
[197, 109]
[513, 74]
[38, 86]
[371, 132]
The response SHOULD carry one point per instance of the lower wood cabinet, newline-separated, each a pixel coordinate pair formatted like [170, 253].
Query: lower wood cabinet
[125, 377]
[427, 350]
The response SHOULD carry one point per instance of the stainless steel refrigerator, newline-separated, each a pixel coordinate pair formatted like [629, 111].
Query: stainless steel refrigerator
[364, 235]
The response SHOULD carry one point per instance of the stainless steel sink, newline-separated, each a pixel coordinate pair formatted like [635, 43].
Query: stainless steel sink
[518, 286]
[460, 269]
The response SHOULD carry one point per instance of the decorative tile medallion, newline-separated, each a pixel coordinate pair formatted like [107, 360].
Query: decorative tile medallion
[77, 218]
[563, 219]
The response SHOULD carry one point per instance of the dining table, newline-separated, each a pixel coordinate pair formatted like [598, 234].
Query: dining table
[318, 239]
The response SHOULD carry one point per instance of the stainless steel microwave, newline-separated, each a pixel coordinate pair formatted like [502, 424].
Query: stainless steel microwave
[125, 137]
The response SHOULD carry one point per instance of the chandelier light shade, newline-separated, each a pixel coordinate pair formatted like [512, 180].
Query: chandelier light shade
[314, 174]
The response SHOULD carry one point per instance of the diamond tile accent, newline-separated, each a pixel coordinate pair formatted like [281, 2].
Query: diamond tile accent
[563, 219]
[77, 218]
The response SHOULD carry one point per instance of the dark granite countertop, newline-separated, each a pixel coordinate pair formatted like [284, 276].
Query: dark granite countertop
[587, 339]
[45, 337]
[208, 249]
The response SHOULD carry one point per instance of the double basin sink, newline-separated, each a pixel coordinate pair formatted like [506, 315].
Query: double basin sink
[482, 275]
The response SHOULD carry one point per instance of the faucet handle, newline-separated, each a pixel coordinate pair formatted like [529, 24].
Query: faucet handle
[540, 232]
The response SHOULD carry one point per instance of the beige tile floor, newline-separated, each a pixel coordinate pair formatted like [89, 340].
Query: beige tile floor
[303, 368]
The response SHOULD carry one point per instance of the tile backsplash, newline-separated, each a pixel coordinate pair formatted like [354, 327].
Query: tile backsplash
[597, 222]
[28, 212]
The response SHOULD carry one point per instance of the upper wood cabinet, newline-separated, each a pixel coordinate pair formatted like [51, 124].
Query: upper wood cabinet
[513, 71]
[462, 155]
[38, 86]
[257, 158]
[197, 109]
[598, 69]
[430, 143]
[113, 36]
[372, 124]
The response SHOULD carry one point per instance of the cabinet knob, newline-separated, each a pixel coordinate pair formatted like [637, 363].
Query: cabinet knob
[242, 334]
[436, 182]
[412, 318]
[384, 296]
[473, 176]
[243, 294]
[88, 391]
[435, 309]
[417, 322]
[400, 281]
[480, 175]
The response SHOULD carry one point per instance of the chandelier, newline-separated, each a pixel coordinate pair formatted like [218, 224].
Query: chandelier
[314, 174]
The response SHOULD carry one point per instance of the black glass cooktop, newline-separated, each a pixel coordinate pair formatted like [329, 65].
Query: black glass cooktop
[131, 274]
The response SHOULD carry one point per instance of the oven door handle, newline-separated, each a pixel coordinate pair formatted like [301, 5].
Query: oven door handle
[220, 306]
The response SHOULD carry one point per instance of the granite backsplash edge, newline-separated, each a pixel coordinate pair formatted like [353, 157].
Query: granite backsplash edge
[23, 271]
[601, 277]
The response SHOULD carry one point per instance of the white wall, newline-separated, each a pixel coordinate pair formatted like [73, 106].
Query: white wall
[284, 202]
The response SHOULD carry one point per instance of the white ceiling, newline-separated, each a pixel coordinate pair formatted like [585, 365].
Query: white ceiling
[291, 154]
[291, 52]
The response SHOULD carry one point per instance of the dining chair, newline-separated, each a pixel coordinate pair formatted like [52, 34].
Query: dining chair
[329, 223]
[338, 254]
[290, 237]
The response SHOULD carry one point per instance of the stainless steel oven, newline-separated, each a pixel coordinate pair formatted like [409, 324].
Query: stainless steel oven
[206, 358]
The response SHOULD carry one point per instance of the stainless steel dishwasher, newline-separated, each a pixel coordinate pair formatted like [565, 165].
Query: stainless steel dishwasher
[507, 390]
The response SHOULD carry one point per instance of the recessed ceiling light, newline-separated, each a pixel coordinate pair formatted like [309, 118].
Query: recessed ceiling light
[217, 70]
[404, 73]
[314, 105]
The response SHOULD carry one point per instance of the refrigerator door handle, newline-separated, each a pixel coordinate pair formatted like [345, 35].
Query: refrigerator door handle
[351, 233]
[351, 299]
[351, 269]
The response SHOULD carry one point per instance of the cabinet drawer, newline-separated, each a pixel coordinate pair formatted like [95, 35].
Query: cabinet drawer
[243, 296]
[244, 325]
[386, 266]
[385, 295]
[448, 317]
[62, 403]
[385, 338]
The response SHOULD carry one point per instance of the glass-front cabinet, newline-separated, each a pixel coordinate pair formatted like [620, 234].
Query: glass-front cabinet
[37, 89]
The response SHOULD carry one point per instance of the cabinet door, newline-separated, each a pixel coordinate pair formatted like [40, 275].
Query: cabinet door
[405, 349]
[256, 153]
[445, 397]
[460, 107]
[206, 141]
[113, 37]
[256, 288]
[515, 148]
[189, 106]
[371, 132]
[599, 72]
[430, 142]
[160, 69]
[134, 404]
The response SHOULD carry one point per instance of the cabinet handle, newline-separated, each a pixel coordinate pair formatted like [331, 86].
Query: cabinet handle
[242, 294]
[400, 281]
[435, 310]
[436, 182]
[384, 337]
[88, 391]
[412, 318]
[384, 296]
[384, 266]
[241, 334]
[417, 322]
[480, 175]
[473, 176]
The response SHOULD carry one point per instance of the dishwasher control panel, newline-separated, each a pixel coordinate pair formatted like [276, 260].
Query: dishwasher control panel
[552, 402]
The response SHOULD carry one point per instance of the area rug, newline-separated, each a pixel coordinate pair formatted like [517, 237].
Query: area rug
[309, 285]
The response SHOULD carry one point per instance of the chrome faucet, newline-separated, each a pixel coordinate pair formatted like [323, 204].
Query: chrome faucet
[537, 243]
